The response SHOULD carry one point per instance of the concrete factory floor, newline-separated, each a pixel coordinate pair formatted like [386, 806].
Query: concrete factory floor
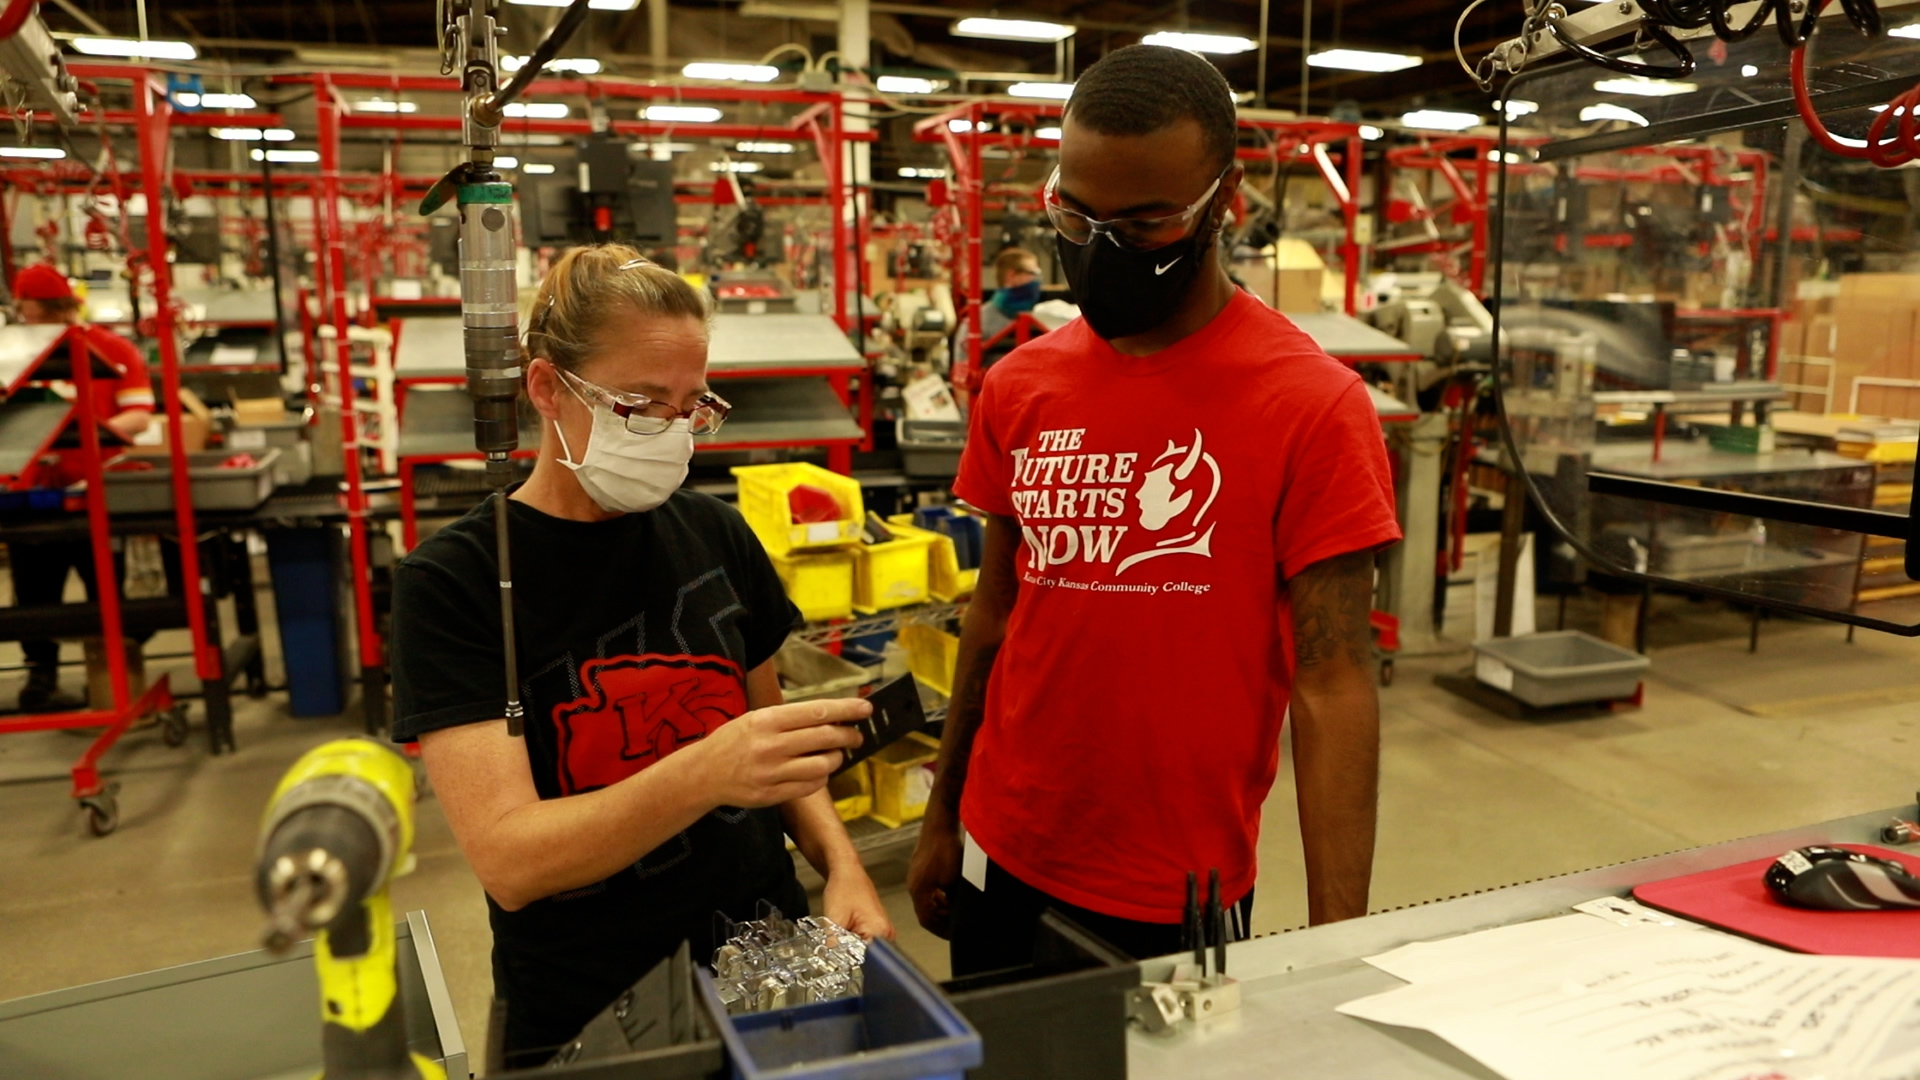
[1727, 745]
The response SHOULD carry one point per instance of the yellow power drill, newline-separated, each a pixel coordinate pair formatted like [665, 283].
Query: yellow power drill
[338, 830]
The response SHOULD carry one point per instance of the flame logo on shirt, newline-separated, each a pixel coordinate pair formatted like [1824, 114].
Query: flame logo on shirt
[1167, 491]
[639, 709]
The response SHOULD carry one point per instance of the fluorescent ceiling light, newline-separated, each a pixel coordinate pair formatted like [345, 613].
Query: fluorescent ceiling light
[1606, 111]
[288, 157]
[145, 50]
[215, 101]
[680, 114]
[735, 166]
[1363, 60]
[505, 161]
[1052, 91]
[1911, 30]
[731, 72]
[911, 172]
[764, 147]
[1440, 119]
[1011, 29]
[381, 105]
[1641, 86]
[44, 153]
[1370, 133]
[536, 110]
[535, 168]
[1052, 133]
[961, 127]
[902, 84]
[1748, 71]
[579, 65]
[238, 134]
[597, 5]
[1511, 157]
[1206, 43]
[783, 9]
[1516, 108]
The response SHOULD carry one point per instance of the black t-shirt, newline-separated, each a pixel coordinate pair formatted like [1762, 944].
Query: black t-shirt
[634, 636]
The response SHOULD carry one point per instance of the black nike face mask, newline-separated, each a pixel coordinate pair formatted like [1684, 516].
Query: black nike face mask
[1122, 293]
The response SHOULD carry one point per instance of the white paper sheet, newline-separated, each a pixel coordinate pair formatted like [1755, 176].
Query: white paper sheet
[235, 354]
[1658, 1003]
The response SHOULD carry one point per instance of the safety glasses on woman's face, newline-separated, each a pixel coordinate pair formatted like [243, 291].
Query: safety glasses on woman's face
[1128, 233]
[644, 416]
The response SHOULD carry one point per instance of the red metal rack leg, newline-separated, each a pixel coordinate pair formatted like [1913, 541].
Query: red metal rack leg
[409, 521]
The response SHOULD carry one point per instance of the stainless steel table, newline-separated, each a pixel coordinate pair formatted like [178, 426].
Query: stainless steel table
[1347, 338]
[1291, 983]
[430, 347]
[21, 347]
[231, 307]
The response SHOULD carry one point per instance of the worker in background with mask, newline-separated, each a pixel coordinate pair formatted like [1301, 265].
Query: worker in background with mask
[1185, 497]
[1017, 278]
[659, 769]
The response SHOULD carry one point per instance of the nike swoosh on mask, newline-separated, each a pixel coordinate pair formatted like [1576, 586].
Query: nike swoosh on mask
[1158, 270]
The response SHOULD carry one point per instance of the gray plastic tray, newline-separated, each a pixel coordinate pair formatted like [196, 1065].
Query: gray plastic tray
[1558, 667]
[149, 491]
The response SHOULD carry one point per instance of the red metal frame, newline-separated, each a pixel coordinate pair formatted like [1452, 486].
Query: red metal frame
[1285, 139]
[333, 307]
[125, 709]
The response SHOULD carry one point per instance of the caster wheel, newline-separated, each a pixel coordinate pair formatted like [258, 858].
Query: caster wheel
[103, 812]
[1386, 673]
[173, 726]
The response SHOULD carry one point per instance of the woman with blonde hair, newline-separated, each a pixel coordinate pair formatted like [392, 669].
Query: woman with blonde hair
[659, 769]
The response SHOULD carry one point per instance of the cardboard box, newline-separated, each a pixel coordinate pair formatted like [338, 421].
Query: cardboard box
[100, 681]
[259, 410]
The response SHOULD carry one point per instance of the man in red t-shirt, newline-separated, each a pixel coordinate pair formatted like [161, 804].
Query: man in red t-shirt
[1185, 496]
[124, 404]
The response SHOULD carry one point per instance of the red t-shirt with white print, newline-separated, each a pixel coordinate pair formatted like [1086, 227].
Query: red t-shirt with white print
[1132, 727]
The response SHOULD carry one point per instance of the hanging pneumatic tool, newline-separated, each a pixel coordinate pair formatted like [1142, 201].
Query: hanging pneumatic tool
[489, 299]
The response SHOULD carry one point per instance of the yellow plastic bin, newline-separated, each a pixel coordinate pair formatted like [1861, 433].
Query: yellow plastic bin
[903, 780]
[852, 792]
[821, 586]
[931, 655]
[946, 582]
[763, 502]
[893, 574]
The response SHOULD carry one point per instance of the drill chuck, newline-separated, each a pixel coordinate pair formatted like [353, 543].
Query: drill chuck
[334, 835]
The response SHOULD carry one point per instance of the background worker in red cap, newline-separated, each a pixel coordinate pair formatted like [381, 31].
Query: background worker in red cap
[42, 294]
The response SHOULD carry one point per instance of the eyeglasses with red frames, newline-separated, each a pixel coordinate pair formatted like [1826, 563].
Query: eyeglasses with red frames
[1130, 233]
[645, 416]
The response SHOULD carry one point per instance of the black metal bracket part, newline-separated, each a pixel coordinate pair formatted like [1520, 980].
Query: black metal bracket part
[1771, 507]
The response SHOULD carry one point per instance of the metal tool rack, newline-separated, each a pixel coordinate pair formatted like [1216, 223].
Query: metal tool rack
[32, 355]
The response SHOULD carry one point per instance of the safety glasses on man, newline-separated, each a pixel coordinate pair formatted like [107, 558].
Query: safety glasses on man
[645, 416]
[1130, 233]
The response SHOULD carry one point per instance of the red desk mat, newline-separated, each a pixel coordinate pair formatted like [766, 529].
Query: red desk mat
[1734, 898]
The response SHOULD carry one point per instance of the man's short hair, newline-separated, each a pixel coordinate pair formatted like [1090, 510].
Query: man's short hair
[1014, 260]
[1142, 89]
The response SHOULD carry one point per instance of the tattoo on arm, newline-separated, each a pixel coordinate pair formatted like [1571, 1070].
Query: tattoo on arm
[1332, 600]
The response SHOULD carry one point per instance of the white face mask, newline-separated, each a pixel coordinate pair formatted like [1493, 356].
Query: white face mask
[626, 473]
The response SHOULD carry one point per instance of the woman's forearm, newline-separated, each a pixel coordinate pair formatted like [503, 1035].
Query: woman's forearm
[551, 846]
[819, 834]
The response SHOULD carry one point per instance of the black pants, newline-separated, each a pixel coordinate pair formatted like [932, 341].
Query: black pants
[39, 574]
[995, 929]
[40, 580]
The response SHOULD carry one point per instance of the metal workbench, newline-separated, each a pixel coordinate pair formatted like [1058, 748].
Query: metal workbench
[432, 348]
[1291, 983]
[230, 307]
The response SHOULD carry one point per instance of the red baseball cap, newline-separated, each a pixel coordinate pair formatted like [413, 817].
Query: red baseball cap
[41, 282]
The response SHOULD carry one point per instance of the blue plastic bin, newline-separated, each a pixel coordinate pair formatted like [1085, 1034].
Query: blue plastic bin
[901, 1028]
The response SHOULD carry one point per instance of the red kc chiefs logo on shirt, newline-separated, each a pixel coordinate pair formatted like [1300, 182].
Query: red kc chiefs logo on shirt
[639, 709]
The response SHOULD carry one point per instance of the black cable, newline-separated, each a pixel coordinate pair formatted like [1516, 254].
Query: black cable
[549, 47]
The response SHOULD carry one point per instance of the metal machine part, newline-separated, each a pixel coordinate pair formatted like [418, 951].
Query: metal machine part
[32, 74]
[489, 294]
